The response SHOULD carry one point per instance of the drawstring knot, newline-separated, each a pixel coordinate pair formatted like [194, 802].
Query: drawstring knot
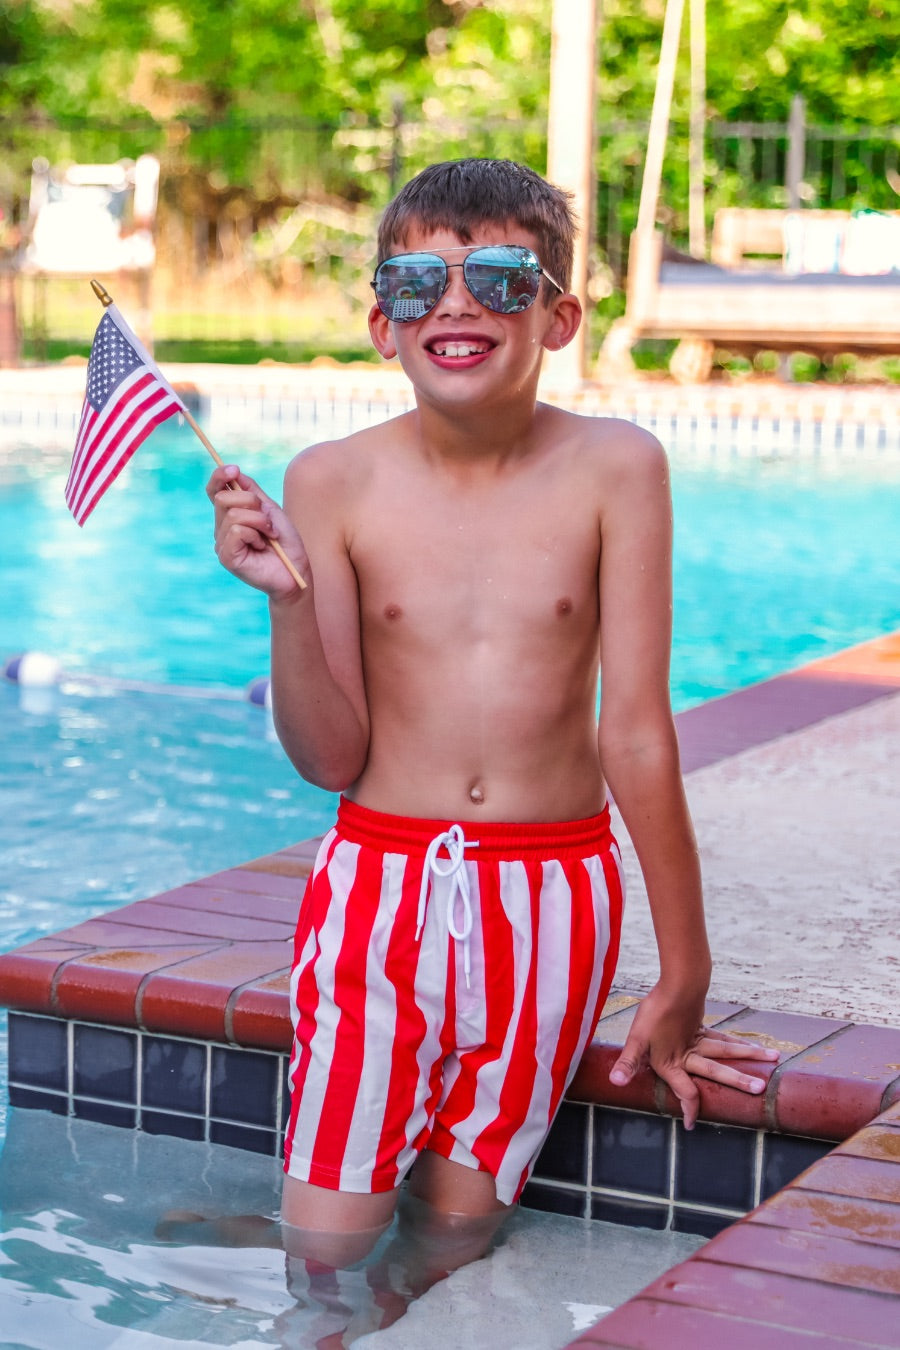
[455, 842]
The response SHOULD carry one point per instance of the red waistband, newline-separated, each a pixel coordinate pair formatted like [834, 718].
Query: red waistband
[412, 834]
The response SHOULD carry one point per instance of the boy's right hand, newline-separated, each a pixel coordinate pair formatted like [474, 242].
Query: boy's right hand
[246, 522]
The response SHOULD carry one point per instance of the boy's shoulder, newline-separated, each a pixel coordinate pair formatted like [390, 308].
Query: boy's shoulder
[612, 443]
[343, 459]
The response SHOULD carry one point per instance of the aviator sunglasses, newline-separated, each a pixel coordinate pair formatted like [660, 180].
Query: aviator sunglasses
[505, 278]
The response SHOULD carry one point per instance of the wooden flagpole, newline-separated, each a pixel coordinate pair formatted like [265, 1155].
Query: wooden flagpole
[106, 300]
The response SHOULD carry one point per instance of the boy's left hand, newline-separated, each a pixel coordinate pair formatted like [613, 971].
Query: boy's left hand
[678, 1053]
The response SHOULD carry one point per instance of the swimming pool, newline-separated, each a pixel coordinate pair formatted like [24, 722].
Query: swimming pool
[112, 794]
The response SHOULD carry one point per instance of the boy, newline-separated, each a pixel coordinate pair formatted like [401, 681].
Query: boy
[467, 564]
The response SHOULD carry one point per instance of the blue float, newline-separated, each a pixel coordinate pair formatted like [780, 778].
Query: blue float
[259, 692]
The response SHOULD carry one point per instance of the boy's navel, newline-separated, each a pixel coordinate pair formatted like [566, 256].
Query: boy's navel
[476, 794]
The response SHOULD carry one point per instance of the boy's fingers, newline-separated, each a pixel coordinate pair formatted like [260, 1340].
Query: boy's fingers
[221, 477]
[713, 1034]
[685, 1089]
[247, 535]
[228, 478]
[733, 1048]
[252, 519]
[718, 1072]
[625, 1067]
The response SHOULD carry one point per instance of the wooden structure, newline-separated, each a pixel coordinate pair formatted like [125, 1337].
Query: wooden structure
[779, 280]
[92, 220]
[773, 284]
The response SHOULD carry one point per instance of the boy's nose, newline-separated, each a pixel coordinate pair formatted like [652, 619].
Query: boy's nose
[457, 298]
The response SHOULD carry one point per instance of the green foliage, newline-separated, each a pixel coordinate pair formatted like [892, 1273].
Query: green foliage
[471, 70]
[843, 59]
[256, 105]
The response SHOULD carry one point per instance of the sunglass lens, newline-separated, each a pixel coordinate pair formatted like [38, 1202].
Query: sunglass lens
[408, 286]
[503, 277]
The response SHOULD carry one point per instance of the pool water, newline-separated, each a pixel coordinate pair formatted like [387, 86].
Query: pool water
[107, 797]
[87, 1258]
[777, 563]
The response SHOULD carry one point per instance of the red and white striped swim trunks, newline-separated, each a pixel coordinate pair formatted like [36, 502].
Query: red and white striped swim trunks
[447, 978]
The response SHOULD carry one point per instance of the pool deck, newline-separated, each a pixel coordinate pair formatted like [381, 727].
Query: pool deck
[42, 405]
[813, 932]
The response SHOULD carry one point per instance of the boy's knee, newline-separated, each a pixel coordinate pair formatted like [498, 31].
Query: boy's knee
[444, 1240]
[333, 1250]
[335, 1228]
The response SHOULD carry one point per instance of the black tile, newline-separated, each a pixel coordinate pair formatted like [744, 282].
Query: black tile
[695, 1221]
[182, 1127]
[105, 1064]
[785, 1156]
[635, 1213]
[38, 1051]
[243, 1086]
[240, 1136]
[285, 1094]
[553, 1199]
[632, 1151]
[714, 1165]
[105, 1113]
[564, 1154]
[173, 1074]
[58, 1103]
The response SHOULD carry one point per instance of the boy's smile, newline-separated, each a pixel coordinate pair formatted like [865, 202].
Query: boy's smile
[459, 351]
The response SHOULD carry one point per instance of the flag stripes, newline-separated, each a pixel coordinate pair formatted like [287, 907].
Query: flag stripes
[126, 399]
[107, 440]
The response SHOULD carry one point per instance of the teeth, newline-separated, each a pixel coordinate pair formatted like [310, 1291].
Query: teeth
[459, 349]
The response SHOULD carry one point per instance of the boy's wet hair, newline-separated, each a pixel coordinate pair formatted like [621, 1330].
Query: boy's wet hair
[463, 194]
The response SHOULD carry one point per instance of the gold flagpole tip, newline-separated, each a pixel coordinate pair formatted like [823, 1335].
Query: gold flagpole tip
[102, 294]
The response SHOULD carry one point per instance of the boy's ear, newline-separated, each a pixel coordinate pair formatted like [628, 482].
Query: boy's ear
[567, 315]
[381, 335]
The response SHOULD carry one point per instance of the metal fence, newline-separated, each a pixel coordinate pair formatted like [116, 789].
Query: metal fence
[256, 216]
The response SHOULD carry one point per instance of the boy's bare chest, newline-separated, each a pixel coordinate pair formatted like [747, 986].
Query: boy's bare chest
[503, 558]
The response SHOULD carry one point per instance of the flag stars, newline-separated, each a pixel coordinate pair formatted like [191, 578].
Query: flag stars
[112, 359]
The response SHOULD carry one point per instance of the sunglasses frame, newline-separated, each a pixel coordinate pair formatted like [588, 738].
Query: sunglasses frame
[470, 251]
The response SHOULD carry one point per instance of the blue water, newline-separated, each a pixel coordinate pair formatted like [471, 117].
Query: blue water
[776, 564]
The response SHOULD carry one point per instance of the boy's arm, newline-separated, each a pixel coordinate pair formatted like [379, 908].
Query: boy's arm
[318, 695]
[639, 756]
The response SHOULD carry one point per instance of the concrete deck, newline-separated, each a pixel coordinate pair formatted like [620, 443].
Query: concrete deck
[800, 844]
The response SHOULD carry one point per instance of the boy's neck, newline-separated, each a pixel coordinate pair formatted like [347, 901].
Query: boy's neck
[477, 437]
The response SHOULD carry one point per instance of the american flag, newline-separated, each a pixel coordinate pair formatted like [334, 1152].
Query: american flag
[126, 398]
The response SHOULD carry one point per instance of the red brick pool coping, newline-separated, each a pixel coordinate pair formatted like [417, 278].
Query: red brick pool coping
[818, 1263]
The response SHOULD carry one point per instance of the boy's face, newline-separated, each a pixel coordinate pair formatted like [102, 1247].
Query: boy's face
[460, 349]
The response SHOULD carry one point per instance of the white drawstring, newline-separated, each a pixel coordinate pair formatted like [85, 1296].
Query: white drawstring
[455, 842]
